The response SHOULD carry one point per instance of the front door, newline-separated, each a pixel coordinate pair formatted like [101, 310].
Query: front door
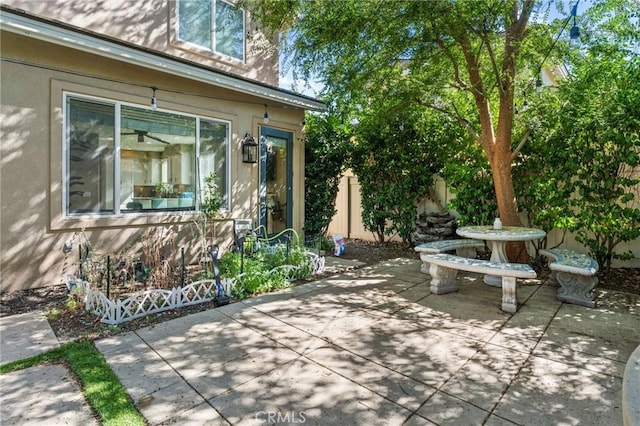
[276, 180]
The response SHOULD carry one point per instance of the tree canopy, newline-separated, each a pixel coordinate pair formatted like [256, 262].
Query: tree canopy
[473, 61]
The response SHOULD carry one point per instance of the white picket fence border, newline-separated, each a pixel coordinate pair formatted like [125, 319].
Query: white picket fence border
[153, 301]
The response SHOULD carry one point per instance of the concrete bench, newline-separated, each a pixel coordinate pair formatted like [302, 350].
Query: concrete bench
[465, 247]
[631, 390]
[444, 268]
[575, 273]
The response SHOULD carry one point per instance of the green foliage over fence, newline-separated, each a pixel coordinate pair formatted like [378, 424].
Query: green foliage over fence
[326, 151]
[581, 169]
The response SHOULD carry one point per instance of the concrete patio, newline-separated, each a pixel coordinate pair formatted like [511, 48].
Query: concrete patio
[373, 346]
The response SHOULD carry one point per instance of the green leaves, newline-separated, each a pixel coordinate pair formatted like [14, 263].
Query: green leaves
[392, 64]
[396, 155]
[327, 148]
[582, 164]
[212, 200]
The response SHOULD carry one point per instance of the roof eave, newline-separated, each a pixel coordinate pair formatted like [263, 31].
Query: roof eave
[52, 33]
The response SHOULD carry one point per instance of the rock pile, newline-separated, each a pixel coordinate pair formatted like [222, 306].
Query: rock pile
[434, 226]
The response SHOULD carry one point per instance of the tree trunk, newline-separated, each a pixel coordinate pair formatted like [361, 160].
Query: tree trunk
[506, 198]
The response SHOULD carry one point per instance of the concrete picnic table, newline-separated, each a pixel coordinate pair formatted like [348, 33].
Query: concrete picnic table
[498, 239]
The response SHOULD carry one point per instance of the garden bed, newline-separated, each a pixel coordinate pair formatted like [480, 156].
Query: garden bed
[114, 311]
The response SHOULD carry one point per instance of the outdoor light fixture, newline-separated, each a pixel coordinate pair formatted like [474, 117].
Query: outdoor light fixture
[154, 102]
[266, 115]
[249, 149]
[574, 34]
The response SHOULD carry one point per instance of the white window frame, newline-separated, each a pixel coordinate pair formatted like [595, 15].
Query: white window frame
[212, 28]
[226, 207]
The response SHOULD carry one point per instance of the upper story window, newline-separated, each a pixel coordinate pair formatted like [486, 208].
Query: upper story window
[122, 158]
[215, 25]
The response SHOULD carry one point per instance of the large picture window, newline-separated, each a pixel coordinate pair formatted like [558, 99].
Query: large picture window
[156, 169]
[215, 25]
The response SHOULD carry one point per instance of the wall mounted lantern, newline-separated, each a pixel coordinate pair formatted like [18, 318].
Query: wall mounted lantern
[249, 149]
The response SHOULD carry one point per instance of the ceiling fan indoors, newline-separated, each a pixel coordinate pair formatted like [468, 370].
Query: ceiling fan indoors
[143, 133]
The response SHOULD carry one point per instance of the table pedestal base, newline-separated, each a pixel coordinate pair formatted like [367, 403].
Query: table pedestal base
[498, 255]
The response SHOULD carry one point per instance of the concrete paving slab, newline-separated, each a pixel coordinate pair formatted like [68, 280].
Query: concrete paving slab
[138, 367]
[415, 293]
[334, 264]
[25, 335]
[305, 391]
[626, 303]
[211, 380]
[512, 342]
[608, 335]
[354, 281]
[291, 337]
[203, 414]
[548, 392]
[428, 356]
[162, 404]
[413, 277]
[498, 421]
[468, 310]
[418, 420]
[389, 384]
[424, 316]
[598, 322]
[530, 323]
[579, 359]
[484, 377]
[339, 322]
[444, 409]
[43, 395]
[544, 298]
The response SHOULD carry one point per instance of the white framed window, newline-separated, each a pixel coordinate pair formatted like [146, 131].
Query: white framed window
[121, 158]
[215, 25]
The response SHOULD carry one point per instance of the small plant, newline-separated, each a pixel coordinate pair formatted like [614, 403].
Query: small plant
[212, 200]
[261, 272]
[54, 314]
[155, 242]
[162, 189]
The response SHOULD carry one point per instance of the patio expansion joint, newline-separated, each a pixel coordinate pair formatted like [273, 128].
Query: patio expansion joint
[522, 366]
[484, 344]
[338, 373]
[186, 382]
[334, 345]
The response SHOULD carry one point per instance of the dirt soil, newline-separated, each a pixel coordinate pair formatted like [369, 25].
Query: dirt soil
[70, 323]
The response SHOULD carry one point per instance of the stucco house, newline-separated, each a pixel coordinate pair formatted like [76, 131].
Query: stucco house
[113, 113]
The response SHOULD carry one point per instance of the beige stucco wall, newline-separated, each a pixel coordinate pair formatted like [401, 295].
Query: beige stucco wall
[32, 228]
[152, 24]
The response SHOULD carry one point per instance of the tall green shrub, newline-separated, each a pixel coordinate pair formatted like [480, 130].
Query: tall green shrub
[326, 151]
[584, 161]
[395, 164]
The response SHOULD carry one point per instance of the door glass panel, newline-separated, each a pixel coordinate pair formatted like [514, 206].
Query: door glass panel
[276, 184]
